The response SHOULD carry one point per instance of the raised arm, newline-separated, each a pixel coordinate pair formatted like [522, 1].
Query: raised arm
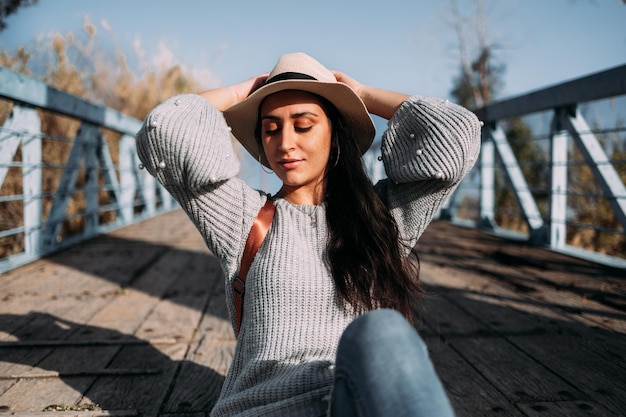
[186, 145]
[224, 97]
[429, 146]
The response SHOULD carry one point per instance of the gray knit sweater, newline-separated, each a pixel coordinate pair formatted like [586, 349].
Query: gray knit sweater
[293, 318]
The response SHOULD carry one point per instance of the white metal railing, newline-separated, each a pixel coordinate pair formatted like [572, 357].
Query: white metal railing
[56, 191]
[98, 185]
[570, 194]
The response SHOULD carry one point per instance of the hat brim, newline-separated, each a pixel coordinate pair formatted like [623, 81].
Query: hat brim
[242, 117]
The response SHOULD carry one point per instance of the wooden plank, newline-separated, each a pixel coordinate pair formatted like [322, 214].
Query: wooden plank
[503, 307]
[600, 381]
[201, 376]
[60, 292]
[200, 379]
[71, 277]
[15, 361]
[519, 376]
[544, 287]
[91, 359]
[470, 393]
[502, 291]
[142, 393]
[39, 374]
[4, 386]
[181, 414]
[580, 362]
[120, 307]
[596, 293]
[152, 318]
[196, 389]
[576, 353]
[177, 315]
[198, 382]
[35, 394]
[121, 257]
[166, 230]
[469, 271]
[26, 270]
[75, 343]
[96, 413]
[56, 379]
[179, 312]
[487, 314]
[130, 308]
[48, 290]
[120, 261]
[566, 408]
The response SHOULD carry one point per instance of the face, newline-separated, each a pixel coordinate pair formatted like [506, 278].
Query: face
[296, 136]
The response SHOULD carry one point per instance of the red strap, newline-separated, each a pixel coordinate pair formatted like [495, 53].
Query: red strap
[257, 233]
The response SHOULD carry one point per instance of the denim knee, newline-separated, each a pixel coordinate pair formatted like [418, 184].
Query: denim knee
[383, 330]
[383, 368]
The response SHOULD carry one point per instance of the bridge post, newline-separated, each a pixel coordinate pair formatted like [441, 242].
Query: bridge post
[24, 126]
[558, 182]
[128, 177]
[487, 181]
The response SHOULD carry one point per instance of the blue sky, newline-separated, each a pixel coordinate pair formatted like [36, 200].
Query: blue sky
[404, 45]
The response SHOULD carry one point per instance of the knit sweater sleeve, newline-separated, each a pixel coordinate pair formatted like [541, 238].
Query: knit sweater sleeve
[186, 145]
[429, 146]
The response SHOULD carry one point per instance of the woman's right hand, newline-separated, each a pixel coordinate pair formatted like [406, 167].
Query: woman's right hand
[223, 98]
[247, 87]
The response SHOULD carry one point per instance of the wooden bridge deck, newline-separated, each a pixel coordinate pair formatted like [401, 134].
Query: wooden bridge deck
[135, 323]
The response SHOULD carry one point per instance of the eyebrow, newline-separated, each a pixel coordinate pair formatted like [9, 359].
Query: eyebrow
[293, 116]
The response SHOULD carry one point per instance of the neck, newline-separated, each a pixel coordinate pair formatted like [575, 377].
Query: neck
[302, 195]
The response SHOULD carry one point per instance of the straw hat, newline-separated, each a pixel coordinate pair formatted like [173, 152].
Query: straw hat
[298, 71]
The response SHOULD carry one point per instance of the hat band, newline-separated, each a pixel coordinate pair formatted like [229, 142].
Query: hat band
[290, 76]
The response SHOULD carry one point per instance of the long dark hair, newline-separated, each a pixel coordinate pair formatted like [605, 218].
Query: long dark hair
[365, 254]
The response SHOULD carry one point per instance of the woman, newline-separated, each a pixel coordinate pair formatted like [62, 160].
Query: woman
[320, 334]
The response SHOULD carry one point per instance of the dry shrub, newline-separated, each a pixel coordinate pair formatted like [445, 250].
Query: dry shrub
[80, 66]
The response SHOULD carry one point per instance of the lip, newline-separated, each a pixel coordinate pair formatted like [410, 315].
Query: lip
[289, 164]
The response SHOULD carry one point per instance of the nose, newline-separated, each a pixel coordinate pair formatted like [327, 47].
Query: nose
[287, 140]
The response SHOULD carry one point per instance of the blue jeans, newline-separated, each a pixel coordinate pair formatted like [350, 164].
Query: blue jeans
[383, 369]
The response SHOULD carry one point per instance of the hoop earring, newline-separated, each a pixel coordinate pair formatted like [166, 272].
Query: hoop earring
[337, 158]
[263, 167]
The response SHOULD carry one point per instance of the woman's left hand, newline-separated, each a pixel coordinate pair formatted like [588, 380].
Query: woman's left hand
[351, 82]
[383, 103]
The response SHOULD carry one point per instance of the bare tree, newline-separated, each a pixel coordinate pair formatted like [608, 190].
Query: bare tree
[9, 7]
[480, 73]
